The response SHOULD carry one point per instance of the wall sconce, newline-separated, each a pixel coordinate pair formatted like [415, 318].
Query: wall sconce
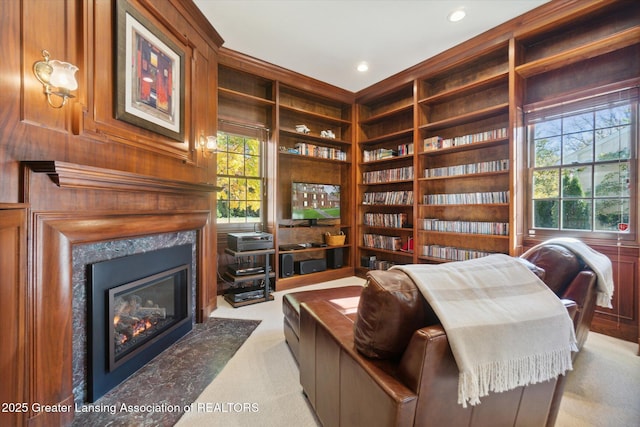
[208, 145]
[57, 78]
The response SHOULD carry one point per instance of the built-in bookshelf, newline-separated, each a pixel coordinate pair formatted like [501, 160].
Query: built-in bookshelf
[456, 223]
[459, 198]
[315, 146]
[386, 176]
[244, 98]
[463, 192]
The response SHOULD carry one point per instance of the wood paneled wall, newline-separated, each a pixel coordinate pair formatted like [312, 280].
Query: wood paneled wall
[77, 174]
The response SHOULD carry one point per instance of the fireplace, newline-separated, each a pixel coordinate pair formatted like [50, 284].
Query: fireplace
[139, 305]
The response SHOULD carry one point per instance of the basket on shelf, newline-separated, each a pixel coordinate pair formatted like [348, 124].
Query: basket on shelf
[334, 239]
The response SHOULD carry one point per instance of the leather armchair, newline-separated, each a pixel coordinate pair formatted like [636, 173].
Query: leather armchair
[416, 383]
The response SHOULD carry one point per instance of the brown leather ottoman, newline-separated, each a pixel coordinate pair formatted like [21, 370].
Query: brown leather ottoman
[344, 298]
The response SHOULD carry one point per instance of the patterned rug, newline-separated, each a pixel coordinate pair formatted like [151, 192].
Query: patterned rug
[157, 394]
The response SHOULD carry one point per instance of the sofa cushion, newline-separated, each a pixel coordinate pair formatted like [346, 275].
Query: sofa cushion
[391, 308]
[559, 263]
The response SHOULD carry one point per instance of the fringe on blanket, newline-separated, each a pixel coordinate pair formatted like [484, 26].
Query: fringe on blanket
[506, 375]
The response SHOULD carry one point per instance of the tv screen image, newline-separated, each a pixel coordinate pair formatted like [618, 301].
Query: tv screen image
[315, 201]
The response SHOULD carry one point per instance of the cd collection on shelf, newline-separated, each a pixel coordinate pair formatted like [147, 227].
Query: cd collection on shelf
[388, 175]
[482, 167]
[452, 253]
[387, 153]
[438, 142]
[395, 220]
[488, 197]
[469, 227]
[405, 149]
[378, 241]
[379, 154]
[388, 198]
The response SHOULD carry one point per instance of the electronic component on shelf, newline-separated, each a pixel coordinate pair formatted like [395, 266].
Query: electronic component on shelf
[245, 270]
[292, 247]
[245, 296]
[251, 241]
[310, 266]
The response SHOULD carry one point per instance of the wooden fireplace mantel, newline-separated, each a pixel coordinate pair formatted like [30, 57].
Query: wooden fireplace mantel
[70, 175]
[70, 204]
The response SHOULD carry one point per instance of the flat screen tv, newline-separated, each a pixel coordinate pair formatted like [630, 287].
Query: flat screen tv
[313, 201]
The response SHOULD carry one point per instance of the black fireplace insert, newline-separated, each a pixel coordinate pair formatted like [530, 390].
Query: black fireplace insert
[139, 305]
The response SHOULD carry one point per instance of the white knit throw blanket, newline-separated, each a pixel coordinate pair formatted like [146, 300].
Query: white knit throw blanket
[506, 328]
[599, 263]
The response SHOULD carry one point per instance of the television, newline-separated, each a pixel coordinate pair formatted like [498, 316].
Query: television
[314, 201]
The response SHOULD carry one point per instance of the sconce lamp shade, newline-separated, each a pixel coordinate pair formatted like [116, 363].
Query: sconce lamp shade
[63, 75]
[57, 77]
[208, 145]
[212, 143]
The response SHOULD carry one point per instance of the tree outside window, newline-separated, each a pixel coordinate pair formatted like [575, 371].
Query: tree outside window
[240, 176]
[582, 168]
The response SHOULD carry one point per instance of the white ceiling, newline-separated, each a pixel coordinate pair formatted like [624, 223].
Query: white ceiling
[326, 39]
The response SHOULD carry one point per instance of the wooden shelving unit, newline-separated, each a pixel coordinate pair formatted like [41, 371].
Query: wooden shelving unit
[313, 158]
[239, 280]
[385, 172]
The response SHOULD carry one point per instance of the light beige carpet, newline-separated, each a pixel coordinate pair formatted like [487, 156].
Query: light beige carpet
[259, 386]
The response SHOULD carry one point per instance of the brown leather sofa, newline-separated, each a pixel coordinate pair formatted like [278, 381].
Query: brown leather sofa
[390, 364]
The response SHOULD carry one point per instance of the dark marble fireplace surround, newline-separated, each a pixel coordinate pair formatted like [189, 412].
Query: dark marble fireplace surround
[83, 256]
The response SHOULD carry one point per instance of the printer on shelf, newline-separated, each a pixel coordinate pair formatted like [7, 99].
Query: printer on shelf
[251, 241]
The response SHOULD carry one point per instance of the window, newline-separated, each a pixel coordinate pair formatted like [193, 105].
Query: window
[240, 176]
[582, 158]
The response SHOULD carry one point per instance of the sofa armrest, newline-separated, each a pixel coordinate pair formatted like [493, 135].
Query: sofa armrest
[580, 288]
[343, 386]
[430, 370]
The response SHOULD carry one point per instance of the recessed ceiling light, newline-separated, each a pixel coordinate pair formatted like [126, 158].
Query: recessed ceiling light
[362, 67]
[457, 15]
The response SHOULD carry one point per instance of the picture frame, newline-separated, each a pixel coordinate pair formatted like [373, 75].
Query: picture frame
[150, 75]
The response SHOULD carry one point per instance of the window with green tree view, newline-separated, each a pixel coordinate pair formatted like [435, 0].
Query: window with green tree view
[582, 158]
[239, 173]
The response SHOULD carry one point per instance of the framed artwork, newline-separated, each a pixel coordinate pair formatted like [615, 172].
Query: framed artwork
[149, 75]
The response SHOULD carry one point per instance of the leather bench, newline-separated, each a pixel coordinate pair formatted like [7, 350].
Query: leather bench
[344, 299]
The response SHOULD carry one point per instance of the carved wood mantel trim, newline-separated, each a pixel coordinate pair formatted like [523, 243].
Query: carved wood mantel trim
[87, 205]
[69, 175]
[50, 311]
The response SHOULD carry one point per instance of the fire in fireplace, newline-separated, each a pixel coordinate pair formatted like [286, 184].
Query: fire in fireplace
[140, 305]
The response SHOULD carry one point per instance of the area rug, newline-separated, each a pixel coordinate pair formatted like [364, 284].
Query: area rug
[158, 394]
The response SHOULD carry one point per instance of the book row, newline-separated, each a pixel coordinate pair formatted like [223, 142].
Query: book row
[482, 167]
[452, 253]
[395, 220]
[388, 198]
[378, 241]
[488, 197]
[320, 151]
[388, 175]
[437, 142]
[470, 227]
